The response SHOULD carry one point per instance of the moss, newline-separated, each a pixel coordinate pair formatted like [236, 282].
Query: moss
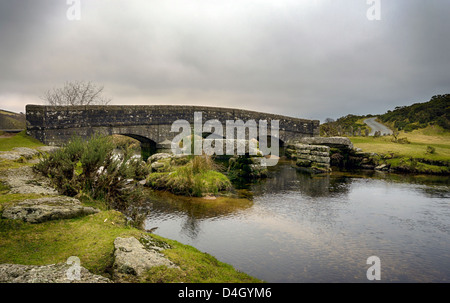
[195, 267]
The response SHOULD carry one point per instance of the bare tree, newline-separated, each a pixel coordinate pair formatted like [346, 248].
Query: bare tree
[76, 93]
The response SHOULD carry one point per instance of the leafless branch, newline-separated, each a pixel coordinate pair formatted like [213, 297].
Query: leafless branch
[76, 93]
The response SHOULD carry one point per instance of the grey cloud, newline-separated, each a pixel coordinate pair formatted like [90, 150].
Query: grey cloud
[305, 58]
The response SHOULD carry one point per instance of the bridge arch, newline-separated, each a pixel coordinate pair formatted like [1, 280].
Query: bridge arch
[150, 124]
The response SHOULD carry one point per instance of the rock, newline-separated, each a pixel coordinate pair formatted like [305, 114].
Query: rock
[17, 152]
[53, 273]
[47, 149]
[133, 258]
[26, 152]
[382, 167]
[24, 180]
[156, 165]
[45, 209]
[159, 156]
[319, 159]
[342, 142]
[9, 156]
[303, 163]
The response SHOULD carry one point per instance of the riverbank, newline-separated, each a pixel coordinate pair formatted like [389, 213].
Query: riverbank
[90, 237]
[423, 151]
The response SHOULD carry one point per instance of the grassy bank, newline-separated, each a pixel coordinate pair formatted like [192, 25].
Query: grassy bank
[197, 178]
[423, 151]
[91, 238]
[19, 140]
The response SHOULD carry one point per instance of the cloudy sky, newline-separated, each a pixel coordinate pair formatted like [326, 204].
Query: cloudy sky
[303, 58]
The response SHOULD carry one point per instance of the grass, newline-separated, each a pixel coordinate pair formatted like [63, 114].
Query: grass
[195, 267]
[428, 150]
[419, 141]
[196, 178]
[91, 238]
[19, 140]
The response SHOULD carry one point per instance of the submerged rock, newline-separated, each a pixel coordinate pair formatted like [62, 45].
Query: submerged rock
[46, 209]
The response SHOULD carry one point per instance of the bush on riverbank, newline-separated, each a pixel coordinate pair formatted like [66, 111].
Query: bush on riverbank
[90, 168]
[197, 178]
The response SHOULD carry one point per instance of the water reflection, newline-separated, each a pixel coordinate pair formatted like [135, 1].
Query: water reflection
[192, 210]
[285, 177]
[297, 227]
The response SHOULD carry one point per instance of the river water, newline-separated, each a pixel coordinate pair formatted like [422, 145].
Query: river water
[295, 227]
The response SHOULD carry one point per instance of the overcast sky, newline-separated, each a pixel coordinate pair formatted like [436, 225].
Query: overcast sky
[303, 58]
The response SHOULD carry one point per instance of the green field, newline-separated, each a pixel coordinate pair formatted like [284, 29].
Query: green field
[424, 150]
[19, 140]
[419, 140]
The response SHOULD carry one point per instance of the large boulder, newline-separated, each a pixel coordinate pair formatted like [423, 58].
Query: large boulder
[133, 258]
[45, 209]
[53, 273]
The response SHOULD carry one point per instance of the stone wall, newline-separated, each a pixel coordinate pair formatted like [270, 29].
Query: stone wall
[315, 158]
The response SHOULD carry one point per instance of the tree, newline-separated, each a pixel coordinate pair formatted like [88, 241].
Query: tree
[76, 93]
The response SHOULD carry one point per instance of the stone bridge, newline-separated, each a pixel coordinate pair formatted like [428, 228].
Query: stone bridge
[150, 124]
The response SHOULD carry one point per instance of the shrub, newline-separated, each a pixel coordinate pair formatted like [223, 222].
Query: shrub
[431, 150]
[90, 167]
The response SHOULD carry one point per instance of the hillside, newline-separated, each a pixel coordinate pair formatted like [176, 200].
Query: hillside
[402, 118]
[420, 115]
[10, 120]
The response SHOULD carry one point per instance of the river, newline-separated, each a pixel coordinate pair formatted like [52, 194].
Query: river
[295, 227]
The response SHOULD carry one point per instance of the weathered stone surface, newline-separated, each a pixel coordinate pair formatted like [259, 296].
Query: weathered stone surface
[17, 152]
[26, 152]
[382, 167]
[342, 142]
[318, 159]
[156, 165]
[315, 158]
[320, 153]
[133, 258]
[47, 149]
[308, 148]
[9, 155]
[150, 124]
[45, 209]
[159, 156]
[53, 273]
[303, 163]
[25, 181]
